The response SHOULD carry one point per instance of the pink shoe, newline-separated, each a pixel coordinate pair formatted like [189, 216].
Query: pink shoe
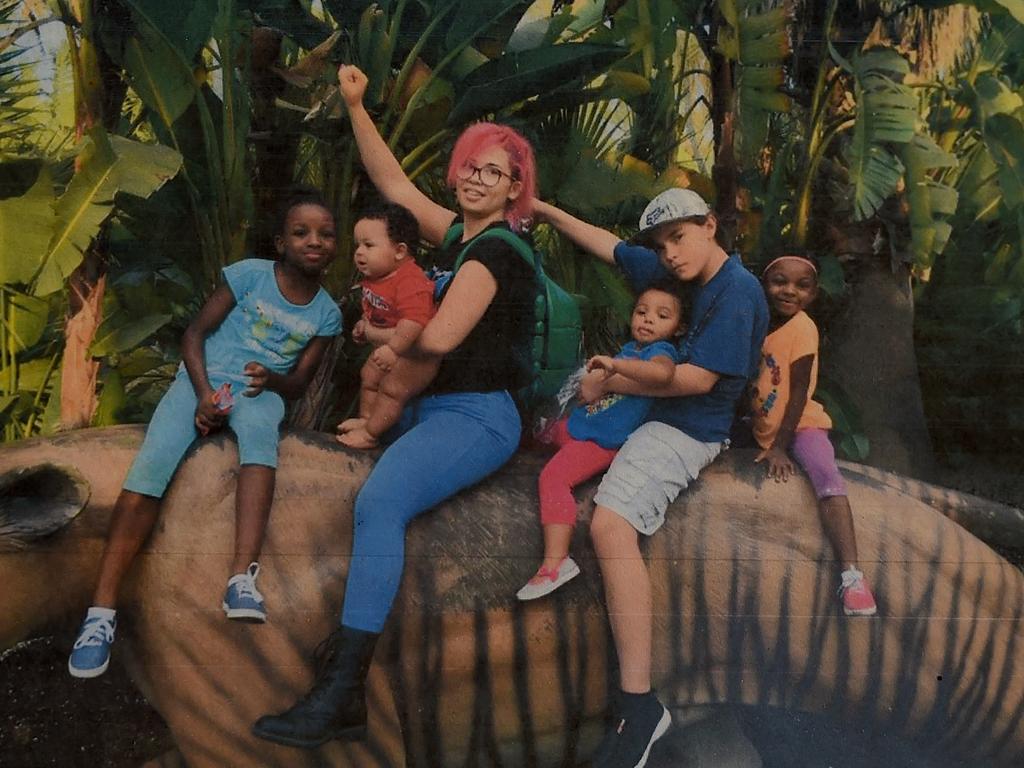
[546, 581]
[856, 595]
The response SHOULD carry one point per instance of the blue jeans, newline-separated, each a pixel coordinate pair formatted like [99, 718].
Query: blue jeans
[447, 443]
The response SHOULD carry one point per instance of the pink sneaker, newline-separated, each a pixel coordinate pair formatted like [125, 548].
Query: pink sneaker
[546, 581]
[856, 595]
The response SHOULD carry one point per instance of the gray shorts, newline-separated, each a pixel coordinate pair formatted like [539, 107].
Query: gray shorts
[654, 465]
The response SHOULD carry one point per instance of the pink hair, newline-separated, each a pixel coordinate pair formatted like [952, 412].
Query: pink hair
[481, 136]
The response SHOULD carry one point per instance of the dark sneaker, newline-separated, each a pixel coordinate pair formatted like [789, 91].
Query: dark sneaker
[91, 652]
[242, 601]
[627, 744]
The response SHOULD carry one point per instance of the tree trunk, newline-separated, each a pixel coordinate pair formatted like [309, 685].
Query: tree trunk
[871, 354]
[313, 408]
[78, 368]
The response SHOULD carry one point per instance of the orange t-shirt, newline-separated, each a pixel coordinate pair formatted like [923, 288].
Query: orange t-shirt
[796, 338]
[405, 294]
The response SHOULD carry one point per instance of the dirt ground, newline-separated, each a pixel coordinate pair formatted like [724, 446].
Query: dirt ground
[48, 718]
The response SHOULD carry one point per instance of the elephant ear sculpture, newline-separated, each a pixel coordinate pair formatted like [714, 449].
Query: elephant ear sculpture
[745, 610]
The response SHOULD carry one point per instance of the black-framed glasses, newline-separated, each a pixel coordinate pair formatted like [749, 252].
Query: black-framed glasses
[488, 175]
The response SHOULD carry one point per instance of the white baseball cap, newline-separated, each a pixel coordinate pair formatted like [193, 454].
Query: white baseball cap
[671, 205]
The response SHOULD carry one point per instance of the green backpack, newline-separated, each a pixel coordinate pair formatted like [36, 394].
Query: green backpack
[556, 348]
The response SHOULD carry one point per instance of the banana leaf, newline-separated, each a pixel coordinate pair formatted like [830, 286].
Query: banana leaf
[123, 331]
[991, 95]
[159, 75]
[931, 203]
[184, 24]
[26, 319]
[1004, 136]
[473, 14]
[26, 222]
[759, 44]
[89, 198]
[852, 443]
[886, 115]
[517, 76]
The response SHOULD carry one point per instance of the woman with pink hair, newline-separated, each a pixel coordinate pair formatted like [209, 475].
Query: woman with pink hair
[463, 427]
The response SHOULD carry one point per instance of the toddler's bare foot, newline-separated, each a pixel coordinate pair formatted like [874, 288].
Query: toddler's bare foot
[358, 438]
[348, 425]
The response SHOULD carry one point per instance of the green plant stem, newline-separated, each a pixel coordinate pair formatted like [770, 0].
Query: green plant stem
[818, 138]
[423, 147]
[38, 398]
[424, 166]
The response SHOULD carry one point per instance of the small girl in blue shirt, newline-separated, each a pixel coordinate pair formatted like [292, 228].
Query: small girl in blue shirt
[589, 439]
[263, 333]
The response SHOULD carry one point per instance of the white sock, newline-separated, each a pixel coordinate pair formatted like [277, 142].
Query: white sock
[96, 612]
[850, 575]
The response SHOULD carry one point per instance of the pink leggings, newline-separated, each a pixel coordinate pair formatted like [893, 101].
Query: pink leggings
[576, 461]
[814, 452]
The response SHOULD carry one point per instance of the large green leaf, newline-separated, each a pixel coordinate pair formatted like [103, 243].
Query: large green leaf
[83, 207]
[1004, 136]
[26, 223]
[112, 399]
[993, 96]
[139, 169]
[159, 75]
[184, 24]
[471, 15]
[518, 76]
[931, 203]
[143, 168]
[759, 44]
[26, 319]
[123, 332]
[886, 116]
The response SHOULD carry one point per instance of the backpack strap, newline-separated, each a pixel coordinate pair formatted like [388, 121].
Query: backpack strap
[454, 233]
[511, 239]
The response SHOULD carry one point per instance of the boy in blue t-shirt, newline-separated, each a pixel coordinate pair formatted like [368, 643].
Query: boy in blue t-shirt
[686, 428]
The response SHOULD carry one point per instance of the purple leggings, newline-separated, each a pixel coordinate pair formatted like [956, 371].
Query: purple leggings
[814, 452]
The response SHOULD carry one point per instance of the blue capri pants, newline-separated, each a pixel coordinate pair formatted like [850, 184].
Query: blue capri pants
[448, 442]
[172, 430]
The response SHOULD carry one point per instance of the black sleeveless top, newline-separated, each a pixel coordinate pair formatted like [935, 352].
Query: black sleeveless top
[495, 354]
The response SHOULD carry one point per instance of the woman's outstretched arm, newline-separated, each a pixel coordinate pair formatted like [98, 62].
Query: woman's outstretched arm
[382, 166]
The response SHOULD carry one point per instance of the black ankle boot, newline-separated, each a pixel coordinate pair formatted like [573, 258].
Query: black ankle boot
[335, 708]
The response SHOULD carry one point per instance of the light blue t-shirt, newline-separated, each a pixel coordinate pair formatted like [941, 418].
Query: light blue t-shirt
[264, 326]
[727, 327]
[610, 420]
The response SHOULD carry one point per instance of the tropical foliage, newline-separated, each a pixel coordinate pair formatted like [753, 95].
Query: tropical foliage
[891, 124]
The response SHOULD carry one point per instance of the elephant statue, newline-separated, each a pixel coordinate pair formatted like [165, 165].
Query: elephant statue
[743, 580]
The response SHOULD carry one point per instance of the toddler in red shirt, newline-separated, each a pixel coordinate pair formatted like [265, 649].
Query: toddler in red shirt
[398, 301]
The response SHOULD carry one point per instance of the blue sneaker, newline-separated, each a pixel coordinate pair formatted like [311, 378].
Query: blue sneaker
[242, 601]
[91, 652]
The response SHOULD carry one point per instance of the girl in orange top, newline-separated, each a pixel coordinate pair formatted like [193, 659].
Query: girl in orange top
[787, 421]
